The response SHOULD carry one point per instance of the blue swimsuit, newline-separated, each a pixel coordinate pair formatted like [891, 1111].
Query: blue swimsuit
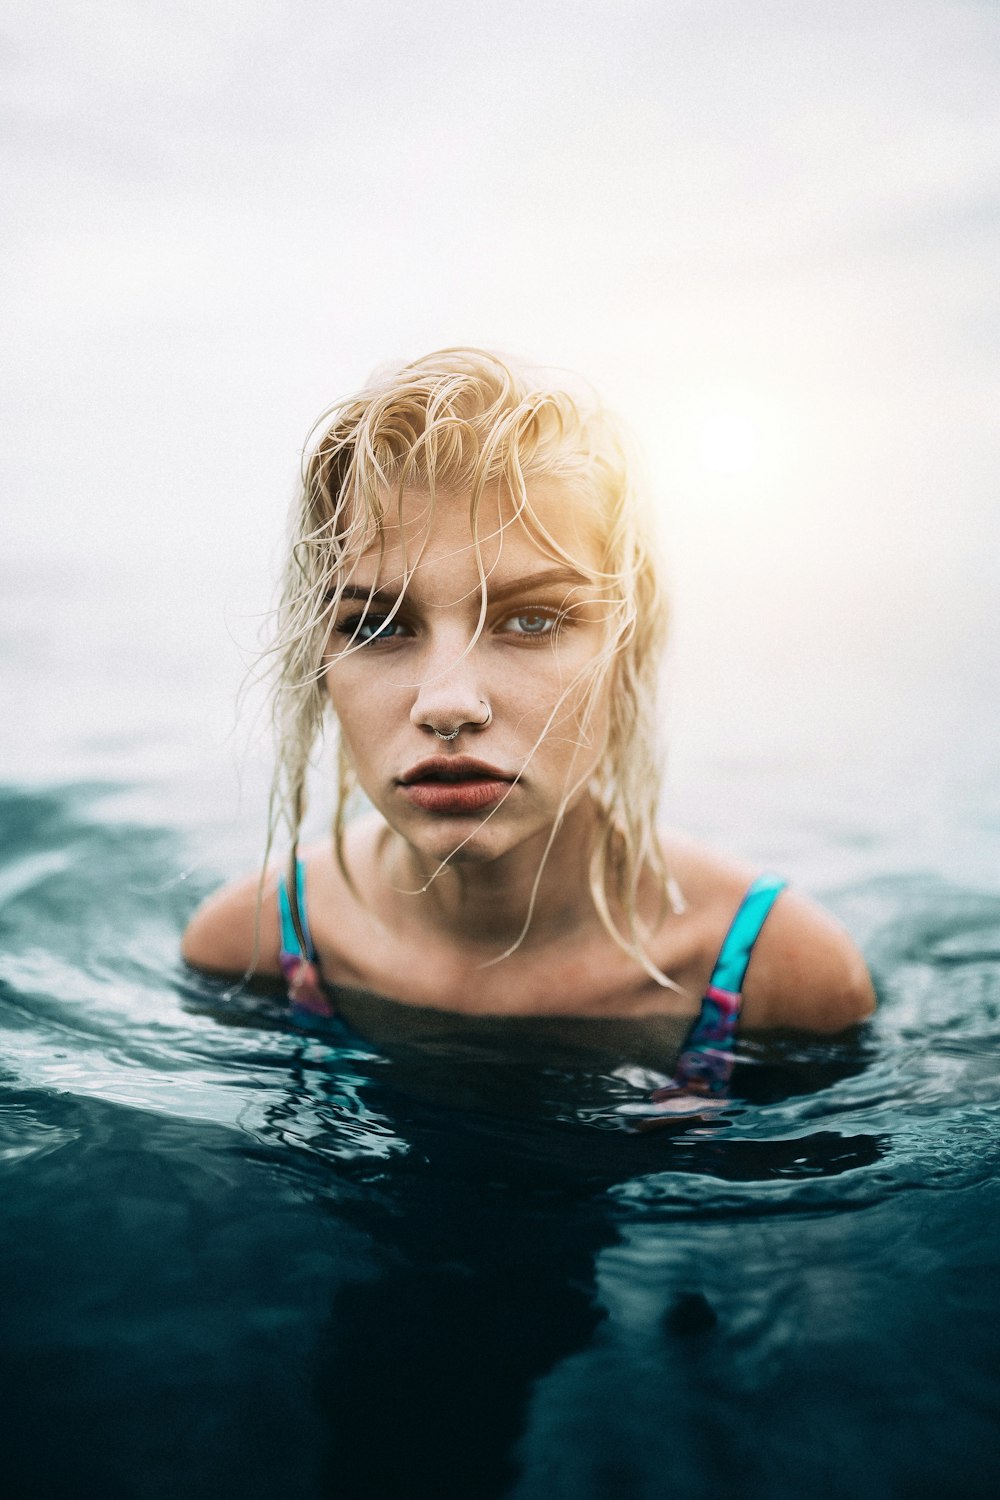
[706, 1058]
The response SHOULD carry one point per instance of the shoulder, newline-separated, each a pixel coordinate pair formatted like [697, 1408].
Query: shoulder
[236, 931]
[805, 971]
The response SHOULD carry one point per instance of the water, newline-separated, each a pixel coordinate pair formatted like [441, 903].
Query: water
[242, 1258]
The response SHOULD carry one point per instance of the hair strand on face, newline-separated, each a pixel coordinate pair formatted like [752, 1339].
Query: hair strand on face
[465, 420]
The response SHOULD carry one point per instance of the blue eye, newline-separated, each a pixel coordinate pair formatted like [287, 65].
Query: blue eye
[361, 629]
[532, 622]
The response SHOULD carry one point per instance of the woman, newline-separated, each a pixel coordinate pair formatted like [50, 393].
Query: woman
[472, 599]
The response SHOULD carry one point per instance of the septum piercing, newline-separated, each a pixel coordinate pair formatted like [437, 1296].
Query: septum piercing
[476, 724]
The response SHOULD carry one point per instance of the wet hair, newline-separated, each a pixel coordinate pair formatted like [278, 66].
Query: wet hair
[472, 422]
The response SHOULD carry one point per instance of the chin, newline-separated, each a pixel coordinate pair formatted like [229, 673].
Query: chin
[476, 846]
[464, 841]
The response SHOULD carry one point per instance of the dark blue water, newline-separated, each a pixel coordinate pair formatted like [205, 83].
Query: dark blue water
[243, 1259]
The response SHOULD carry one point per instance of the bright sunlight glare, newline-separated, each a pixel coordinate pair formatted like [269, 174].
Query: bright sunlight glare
[728, 441]
[728, 452]
[732, 439]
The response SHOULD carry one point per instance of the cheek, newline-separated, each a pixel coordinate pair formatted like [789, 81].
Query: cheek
[589, 707]
[333, 688]
[573, 730]
[353, 708]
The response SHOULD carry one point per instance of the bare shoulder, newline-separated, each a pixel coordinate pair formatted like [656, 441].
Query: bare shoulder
[236, 931]
[805, 970]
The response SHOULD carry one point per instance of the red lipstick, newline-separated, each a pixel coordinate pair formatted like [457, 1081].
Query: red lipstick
[454, 785]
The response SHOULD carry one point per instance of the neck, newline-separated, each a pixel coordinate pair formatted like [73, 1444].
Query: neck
[487, 905]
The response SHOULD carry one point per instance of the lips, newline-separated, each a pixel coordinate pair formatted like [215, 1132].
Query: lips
[454, 785]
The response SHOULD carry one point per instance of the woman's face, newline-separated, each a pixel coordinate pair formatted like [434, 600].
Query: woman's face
[404, 672]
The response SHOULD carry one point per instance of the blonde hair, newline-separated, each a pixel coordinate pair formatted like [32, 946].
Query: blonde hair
[468, 419]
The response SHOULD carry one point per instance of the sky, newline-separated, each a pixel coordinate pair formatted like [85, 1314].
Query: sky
[767, 230]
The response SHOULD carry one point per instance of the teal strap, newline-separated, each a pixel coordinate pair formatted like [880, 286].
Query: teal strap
[731, 965]
[289, 937]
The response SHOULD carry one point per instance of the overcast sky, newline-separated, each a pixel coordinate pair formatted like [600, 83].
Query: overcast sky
[769, 230]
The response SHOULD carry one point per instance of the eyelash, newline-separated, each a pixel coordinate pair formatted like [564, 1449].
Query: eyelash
[539, 612]
[354, 626]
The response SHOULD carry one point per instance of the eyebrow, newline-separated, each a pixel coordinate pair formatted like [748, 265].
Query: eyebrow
[548, 578]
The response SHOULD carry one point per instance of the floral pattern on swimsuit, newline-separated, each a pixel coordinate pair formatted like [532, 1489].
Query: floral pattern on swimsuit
[705, 1063]
[297, 957]
[305, 987]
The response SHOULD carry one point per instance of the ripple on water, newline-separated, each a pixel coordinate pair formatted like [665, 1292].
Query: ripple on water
[94, 1003]
[192, 1184]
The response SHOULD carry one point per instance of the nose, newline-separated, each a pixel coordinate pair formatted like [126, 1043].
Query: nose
[450, 696]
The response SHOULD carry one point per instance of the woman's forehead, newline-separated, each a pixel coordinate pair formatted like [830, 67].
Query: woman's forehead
[556, 520]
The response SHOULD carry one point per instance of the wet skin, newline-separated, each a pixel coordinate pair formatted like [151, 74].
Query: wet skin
[443, 658]
[474, 719]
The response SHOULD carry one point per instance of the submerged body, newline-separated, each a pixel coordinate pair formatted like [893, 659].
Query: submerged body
[483, 648]
[805, 972]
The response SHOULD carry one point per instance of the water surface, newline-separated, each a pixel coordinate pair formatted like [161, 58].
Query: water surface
[241, 1257]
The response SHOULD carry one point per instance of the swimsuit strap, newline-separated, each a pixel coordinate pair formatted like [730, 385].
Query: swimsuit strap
[295, 938]
[706, 1058]
[297, 955]
[744, 930]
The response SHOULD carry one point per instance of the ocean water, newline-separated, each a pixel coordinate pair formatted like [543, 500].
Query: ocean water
[243, 1258]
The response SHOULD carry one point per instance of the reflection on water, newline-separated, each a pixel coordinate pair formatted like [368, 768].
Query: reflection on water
[241, 1256]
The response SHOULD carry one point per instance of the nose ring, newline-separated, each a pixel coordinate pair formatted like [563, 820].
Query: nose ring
[476, 724]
